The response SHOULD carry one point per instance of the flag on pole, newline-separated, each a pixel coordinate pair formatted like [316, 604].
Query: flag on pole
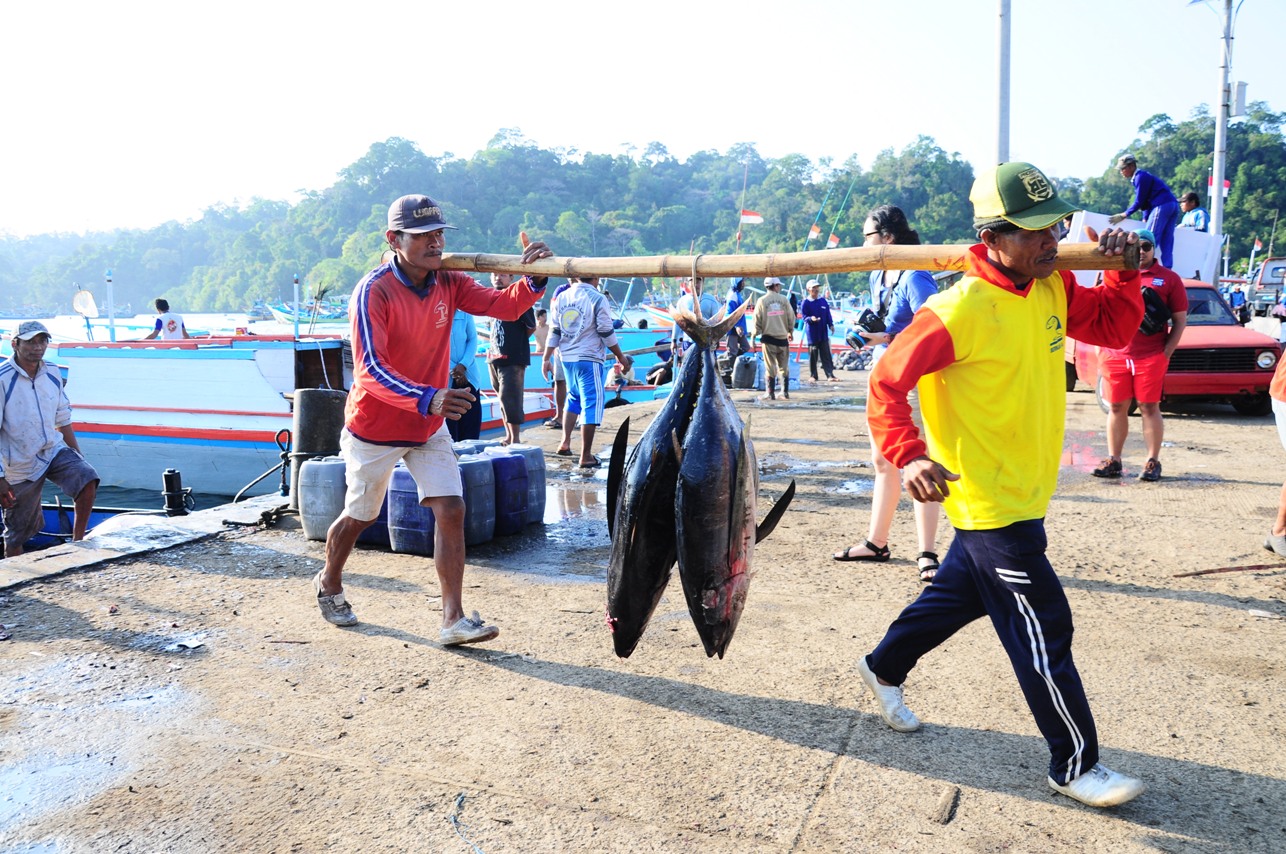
[750, 217]
[1258, 244]
[814, 233]
[832, 242]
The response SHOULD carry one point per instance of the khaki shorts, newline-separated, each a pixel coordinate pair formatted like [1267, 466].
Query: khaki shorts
[69, 470]
[369, 468]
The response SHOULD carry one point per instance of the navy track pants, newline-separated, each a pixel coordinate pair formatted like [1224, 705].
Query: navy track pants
[1005, 575]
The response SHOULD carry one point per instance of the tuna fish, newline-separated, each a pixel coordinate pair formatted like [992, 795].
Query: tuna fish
[687, 492]
[640, 513]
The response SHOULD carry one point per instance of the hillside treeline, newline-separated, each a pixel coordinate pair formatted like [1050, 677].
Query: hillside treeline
[644, 203]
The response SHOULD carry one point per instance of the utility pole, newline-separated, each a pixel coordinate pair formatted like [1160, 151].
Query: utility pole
[1002, 128]
[1221, 123]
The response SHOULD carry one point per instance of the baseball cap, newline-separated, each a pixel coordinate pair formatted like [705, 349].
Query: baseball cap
[416, 214]
[30, 329]
[771, 280]
[1144, 234]
[1125, 160]
[813, 283]
[1017, 193]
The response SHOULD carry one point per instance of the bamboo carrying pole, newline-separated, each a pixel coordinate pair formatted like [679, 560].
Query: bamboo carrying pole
[1072, 256]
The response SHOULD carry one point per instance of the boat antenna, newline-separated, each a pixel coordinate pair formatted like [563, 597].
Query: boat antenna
[741, 209]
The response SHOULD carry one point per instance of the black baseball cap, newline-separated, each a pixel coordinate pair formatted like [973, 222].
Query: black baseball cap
[416, 214]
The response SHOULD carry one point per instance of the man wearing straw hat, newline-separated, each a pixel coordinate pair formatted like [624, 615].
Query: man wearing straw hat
[987, 358]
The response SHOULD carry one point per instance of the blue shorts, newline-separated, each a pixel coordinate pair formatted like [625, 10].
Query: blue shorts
[585, 390]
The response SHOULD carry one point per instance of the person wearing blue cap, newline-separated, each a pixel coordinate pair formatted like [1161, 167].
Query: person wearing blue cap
[1136, 371]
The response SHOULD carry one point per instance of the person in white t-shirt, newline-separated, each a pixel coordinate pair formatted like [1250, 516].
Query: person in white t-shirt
[169, 324]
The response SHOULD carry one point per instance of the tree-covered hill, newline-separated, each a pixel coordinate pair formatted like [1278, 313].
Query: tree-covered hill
[594, 204]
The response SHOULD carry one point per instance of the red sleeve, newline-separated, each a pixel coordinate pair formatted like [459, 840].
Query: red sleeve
[1108, 315]
[922, 348]
[506, 304]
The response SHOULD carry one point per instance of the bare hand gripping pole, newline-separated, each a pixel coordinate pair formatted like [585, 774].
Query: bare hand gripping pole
[1073, 256]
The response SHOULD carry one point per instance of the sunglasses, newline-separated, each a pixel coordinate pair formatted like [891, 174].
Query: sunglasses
[1145, 247]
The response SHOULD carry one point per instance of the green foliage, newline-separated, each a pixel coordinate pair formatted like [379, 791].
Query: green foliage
[594, 204]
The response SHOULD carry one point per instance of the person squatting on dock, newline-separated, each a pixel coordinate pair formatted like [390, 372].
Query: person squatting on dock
[400, 400]
[37, 442]
[987, 357]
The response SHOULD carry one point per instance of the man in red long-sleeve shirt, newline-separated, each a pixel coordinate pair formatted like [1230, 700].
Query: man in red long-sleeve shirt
[401, 314]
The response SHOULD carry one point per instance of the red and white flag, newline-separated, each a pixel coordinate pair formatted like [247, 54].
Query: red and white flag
[1258, 244]
[814, 233]
[751, 218]
[832, 242]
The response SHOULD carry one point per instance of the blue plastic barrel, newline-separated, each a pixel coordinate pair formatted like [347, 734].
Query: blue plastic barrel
[410, 526]
[535, 458]
[474, 446]
[377, 534]
[510, 471]
[479, 483]
[321, 495]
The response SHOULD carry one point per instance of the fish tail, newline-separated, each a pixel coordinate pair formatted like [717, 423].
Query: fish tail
[706, 335]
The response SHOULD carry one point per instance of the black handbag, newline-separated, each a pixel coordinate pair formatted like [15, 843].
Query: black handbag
[1156, 314]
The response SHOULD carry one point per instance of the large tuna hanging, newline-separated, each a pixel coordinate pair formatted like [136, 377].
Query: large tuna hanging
[687, 493]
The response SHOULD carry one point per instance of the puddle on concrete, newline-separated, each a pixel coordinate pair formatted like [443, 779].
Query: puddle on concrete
[776, 463]
[856, 487]
[842, 403]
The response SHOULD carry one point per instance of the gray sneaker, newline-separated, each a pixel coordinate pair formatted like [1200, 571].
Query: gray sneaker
[1100, 787]
[889, 699]
[335, 609]
[469, 629]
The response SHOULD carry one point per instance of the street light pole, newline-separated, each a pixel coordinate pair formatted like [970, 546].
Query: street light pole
[1221, 124]
[1002, 127]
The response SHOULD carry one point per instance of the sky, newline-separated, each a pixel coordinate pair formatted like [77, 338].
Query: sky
[130, 114]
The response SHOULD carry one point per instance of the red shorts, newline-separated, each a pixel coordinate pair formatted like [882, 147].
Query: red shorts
[1133, 378]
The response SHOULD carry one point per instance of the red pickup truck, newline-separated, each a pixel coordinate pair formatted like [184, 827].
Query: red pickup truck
[1217, 359]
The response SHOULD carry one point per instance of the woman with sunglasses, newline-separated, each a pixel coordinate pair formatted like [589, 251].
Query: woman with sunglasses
[898, 294]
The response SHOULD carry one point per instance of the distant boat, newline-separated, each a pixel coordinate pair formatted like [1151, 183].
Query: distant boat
[323, 312]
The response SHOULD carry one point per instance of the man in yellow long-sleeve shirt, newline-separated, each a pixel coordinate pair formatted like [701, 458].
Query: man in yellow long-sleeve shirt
[987, 358]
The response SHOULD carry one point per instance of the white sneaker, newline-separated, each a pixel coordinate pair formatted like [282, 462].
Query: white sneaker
[889, 699]
[1100, 787]
[469, 629]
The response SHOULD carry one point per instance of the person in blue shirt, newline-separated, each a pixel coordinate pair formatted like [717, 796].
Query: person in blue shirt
[739, 334]
[465, 373]
[1194, 215]
[897, 295]
[818, 326]
[1154, 200]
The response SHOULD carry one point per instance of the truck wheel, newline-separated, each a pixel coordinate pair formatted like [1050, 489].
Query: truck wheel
[1256, 404]
[1071, 375]
[1102, 401]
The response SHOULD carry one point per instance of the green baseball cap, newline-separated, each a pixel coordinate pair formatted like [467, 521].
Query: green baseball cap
[1017, 193]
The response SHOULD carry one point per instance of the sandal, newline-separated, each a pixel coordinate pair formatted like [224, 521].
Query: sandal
[928, 571]
[553, 424]
[564, 452]
[879, 554]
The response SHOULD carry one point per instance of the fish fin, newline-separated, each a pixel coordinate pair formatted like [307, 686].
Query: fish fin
[678, 446]
[615, 467]
[705, 334]
[774, 515]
